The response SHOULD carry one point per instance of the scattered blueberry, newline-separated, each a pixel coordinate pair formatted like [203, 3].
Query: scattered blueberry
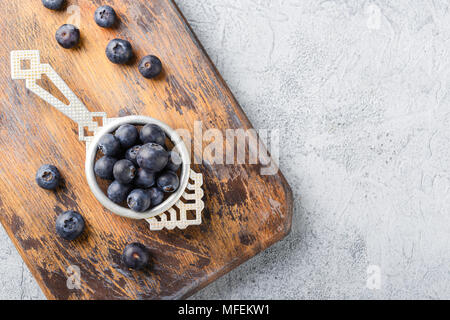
[104, 167]
[131, 153]
[69, 225]
[174, 162]
[119, 51]
[127, 135]
[156, 196]
[168, 181]
[109, 145]
[139, 200]
[152, 157]
[118, 192]
[150, 66]
[105, 16]
[124, 171]
[144, 178]
[48, 177]
[53, 4]
[153, 133]
[136, 256]
[68, 36]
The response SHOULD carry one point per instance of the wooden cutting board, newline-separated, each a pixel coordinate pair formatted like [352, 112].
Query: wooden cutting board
[245, 212]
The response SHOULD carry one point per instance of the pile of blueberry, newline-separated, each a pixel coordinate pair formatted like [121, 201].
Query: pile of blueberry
[118, 51]
[142, 168]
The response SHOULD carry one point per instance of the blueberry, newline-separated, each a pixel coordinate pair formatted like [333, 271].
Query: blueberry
[68, 36]
[105, 16]
[174, 161]
[118, 192]
[152, 157]
[119, 51]
[150, 66]
[131, 153]
[124, 171]
[53, 4]
[136, 256]
[48, 177]
[139, 200]
[127, 135]
[69, 225]
[109, 145]
[144, 178]
[103, 167]
[153, 133]
[168, 181]
[156, 196]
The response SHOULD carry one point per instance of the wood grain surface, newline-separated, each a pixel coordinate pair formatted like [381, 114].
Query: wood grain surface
[245, 212]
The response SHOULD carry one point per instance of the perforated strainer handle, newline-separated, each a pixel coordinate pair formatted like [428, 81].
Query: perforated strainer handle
[75, 110]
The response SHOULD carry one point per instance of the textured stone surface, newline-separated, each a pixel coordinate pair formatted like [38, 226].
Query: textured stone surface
[361, 91]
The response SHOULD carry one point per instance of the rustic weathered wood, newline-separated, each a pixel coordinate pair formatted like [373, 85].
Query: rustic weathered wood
[245, 211]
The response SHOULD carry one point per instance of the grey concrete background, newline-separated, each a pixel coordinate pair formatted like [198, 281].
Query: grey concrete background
[361, 92]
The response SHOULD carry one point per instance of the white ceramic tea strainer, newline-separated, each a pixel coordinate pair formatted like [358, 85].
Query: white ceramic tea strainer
[162, 216]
